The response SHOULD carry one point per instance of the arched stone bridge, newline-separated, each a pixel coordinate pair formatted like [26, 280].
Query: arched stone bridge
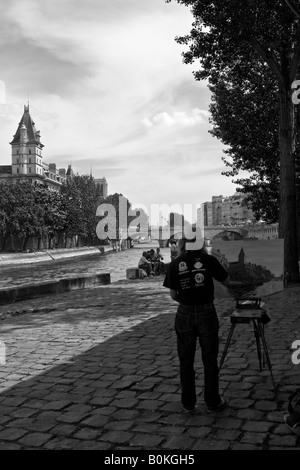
[238, 232]
[230, 233]
[262, 232]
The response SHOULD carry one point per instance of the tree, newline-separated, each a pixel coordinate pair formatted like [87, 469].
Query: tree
[233, 35]
[25, 218]
[75, 225]
[53, 216]
[91, 197]
[237, 101]
[117, 220]
[7, 204]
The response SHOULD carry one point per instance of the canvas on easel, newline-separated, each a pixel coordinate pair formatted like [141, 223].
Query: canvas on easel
[257, 263]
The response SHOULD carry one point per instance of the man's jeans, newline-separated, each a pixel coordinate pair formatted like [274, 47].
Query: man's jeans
[193, 323]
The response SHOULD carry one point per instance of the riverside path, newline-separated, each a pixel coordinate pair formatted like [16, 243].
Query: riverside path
[98, 369]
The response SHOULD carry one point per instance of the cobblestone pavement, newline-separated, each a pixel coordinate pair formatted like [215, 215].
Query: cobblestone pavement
[98, 369]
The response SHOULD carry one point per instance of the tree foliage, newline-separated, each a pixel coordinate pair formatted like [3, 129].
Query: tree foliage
[82, 197]
[28, 210]
[232, 38]
[119, 218]
[244, 114]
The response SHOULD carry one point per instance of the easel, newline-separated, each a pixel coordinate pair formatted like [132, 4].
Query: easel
[247, 311]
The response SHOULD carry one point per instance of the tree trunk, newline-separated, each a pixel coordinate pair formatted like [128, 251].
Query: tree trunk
[25, 243]
[287, 208]
[39, 242]
[4, 243]
[50, 245]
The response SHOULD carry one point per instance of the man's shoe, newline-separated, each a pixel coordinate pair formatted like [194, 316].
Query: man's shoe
[292, 424]
[215, 409]
[188, 410]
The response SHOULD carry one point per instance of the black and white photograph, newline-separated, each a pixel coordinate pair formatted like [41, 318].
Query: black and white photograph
[150, 228]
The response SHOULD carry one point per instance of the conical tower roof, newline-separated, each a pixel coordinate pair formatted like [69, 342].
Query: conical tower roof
[32, 133]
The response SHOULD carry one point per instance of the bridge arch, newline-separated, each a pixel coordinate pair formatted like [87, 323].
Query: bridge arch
[228, 235]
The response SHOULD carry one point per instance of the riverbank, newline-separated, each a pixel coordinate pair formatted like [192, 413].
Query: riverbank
[88, 268]
[7, 259]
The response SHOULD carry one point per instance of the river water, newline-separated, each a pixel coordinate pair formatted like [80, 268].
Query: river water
[114, 263]
[111, 262]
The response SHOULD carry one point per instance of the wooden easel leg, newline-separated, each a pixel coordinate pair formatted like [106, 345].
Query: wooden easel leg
[257, 335]
[262, 335]
[227, 345]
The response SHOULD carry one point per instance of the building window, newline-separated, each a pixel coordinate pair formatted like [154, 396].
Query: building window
[29, 170]
[29, 152]
[17, 170]
[29, 160]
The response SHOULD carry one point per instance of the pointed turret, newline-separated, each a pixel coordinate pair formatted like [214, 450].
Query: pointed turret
[23, 134]
[27, 148]
[242, 256]
[32, 133]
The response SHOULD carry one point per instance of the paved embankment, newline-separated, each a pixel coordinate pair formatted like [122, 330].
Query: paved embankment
[27, 275]
[98, 369]
[11, 259]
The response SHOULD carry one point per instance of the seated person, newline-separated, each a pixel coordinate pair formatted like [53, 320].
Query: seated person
[145, 264]
[151, 254]
[159, 266]
[150, 257]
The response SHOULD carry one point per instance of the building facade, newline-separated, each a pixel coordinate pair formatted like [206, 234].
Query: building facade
[103, 185]
[27, 159]
[226, 211]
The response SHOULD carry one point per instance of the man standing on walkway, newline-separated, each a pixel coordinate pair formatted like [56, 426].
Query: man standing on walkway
[190, 280]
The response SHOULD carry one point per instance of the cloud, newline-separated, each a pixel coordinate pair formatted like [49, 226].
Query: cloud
[108, 91]
[177, 118]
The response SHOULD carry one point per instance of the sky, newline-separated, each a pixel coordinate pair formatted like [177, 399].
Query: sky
[110, 94]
